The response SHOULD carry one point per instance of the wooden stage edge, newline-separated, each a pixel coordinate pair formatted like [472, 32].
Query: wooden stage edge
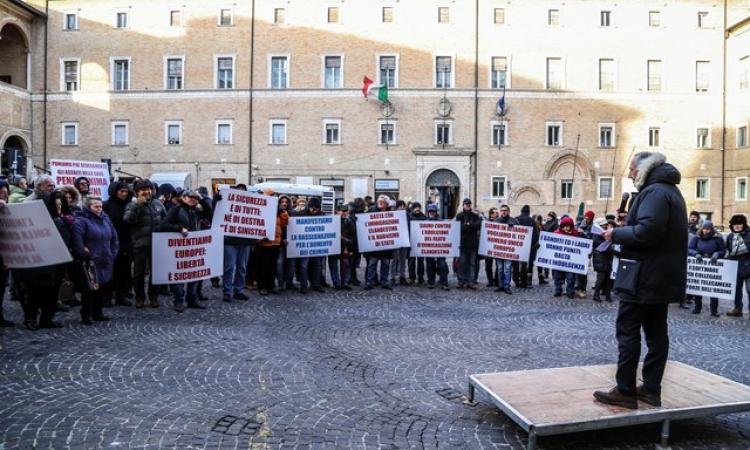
[560, 400]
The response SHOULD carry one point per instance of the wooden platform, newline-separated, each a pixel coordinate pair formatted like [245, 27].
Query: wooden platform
[557, 401]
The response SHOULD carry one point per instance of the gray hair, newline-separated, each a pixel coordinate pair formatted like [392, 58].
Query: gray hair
[384, 197]
[41, 179]
[91, 199]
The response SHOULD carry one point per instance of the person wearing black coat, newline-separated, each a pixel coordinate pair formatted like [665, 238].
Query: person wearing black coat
[120, 196]
[707, 244]
[471, 223]
[654, 240]
[738, 249]
[602, 262]
[416, 265]
[379, 256]
[523, 271]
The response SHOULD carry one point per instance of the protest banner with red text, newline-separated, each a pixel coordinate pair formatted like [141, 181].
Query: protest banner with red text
[66, 171]
[382, 231]
[434, 238]
[246, 214]
[176, 259]
[498, 240]
[29, 238]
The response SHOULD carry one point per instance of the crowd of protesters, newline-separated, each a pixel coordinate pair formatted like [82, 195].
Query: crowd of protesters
[111, 245]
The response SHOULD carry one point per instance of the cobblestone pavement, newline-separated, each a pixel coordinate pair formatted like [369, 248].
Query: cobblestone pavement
[376, 369]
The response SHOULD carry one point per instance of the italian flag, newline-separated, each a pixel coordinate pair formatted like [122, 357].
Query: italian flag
[368, 87]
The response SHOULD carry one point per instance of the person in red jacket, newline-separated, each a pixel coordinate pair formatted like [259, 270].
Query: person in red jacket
[567, 227]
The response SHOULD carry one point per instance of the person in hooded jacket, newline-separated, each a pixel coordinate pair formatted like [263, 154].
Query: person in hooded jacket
[18, 189]
[584, 229]
[706, 244]
[120, 196]
[83, 185]
[72, 197]
[416, 265]
[145, 216]
[285, 203]
[652, 248]
[167, 195]
[567, 227]
[95, 239]
[738, 249]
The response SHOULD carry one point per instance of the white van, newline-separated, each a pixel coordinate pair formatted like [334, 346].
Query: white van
[177, 179]
[325, 193]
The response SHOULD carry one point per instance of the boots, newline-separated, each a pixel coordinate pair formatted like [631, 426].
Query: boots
[596, 297]
[140, 303]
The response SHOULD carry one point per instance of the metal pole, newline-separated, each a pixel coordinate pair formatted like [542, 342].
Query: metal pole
[250, 100]
[665, 433]
[575, 161]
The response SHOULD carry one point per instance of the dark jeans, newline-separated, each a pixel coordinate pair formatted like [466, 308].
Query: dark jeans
[338, 265]
[355, 260]
[738, 291]
[581, 281]
[522, 274]
[123, 282]
[698, 304]
[488, 262]
[267, 268]
[436, 266]
[467, 266]
[416, 269]
[603, 283]
[235, 268]
[311, 271]
[631, 317]
[142, 263]
[4, 276]
[564, 277]
[185, 292]
[39, 300]
[91, 304]
[372, 270]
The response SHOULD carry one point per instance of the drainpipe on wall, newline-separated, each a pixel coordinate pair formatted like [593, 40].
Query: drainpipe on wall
[476, 99]
[44, 94]
[723, 114]
[250, 95]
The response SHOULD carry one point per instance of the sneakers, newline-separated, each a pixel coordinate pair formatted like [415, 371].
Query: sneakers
[734, 312]
[647, 396]
[581, 293]
[616, 398]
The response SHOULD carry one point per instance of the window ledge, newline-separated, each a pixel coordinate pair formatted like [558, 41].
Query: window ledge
[120, 145]
[387, 145]
[68, 145]
[225, 144]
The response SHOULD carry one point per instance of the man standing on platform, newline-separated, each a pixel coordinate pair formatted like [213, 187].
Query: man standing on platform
[652, 273]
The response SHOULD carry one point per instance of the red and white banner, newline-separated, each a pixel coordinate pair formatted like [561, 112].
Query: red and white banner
[29, 238]
[176, 259]
[498, 240]
[246, 214]
[434, 238]
[382, 231]
[66, 171]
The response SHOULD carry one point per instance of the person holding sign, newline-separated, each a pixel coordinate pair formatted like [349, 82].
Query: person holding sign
[651, 274]
[311, 268]
[738, 249]
[471, 224]
[706, 244]
[567, 227]
[268, 250]
[436, 266]
[379, 256]
[602, 260]
[236, 254]
[504, 267]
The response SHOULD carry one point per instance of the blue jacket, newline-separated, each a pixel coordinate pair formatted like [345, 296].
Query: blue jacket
[98, 235]
[707, 246]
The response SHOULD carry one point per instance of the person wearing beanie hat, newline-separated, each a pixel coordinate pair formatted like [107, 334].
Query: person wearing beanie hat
[567, 227]
[738, 249]
[471, 223]
[416, 265]
[706, 244]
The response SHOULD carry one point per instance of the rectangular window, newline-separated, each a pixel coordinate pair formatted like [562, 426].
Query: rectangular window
[175, 73]
[71, 21]
[702, 188]
[499, 134]
[606, 135]
[554, 73]
[173, 133]
[387, 14]
[224, 132]
[279, 72]
[119, 133]
[653, 137]
[443, 72]
[278, 132]
[120, 74]
[703, 19]
[553, 17]
[701, 76]
[606, 74]
[69, 133]
[742, 136]
[702, 138]
[500, 16]
[654, 75]
[605, 188]
[333, 14]
[175, 18]
[604, 18]
[332, 132]
[498, 187]
[566, 189]
[225, 72]
[744, 75]
[654, 18]
[499, 76]
[443, 133]
[741, 190]
[388, 133]
[444, 15]
[279, 16]
[332, 72]
[225, 17]
[122, 20]
[387, 71]
[554, 134]
[70, 75]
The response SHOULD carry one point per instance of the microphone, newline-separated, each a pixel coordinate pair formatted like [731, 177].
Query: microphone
[624, 201]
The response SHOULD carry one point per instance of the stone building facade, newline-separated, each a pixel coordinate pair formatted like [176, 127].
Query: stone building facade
[271, 90]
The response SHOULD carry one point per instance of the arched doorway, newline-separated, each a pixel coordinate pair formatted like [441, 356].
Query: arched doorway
[14, 156]
[443, 188]
[13, 56]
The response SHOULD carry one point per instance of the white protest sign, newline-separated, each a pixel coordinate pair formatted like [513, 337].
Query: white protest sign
[66, 171]
[246, 214]
[563, 252]
[176, 259]
[498, 240]
[712, 280]
[385, 230]
[434, 238]
[313, 236]
[29, 238]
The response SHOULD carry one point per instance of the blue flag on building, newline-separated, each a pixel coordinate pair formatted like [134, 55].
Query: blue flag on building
[501, 105]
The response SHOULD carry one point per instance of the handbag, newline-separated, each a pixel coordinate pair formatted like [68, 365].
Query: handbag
[627, 277]
[90, 276]
[743, 268]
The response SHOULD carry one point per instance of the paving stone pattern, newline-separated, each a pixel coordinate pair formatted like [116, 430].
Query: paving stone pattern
[376, 369]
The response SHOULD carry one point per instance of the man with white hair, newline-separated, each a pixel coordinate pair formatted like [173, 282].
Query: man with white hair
[381, 256]
[42, 184]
